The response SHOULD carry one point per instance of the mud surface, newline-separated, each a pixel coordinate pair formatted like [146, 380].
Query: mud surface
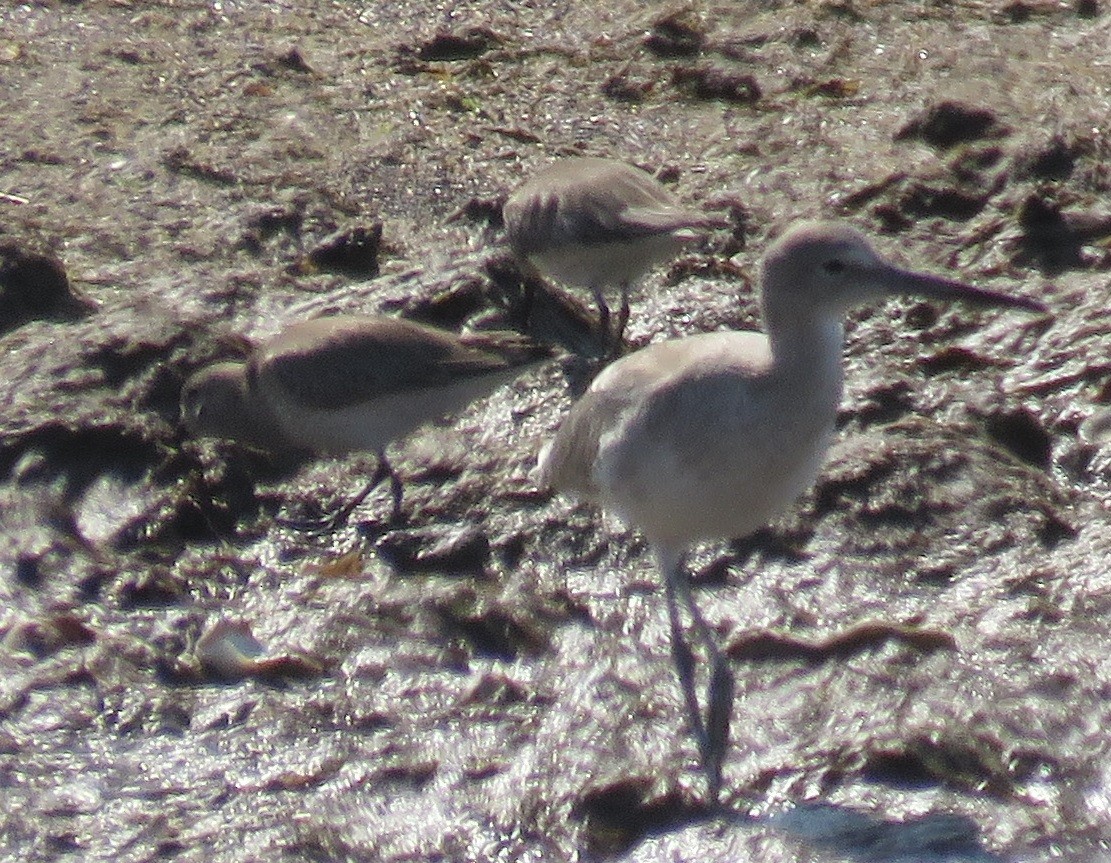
[921, 646]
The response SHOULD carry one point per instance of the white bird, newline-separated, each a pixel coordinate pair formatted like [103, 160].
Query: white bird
[599, 224]
[711, 436]
[350, 383]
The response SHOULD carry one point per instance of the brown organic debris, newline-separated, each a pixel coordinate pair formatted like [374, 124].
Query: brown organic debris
[57, 632]
[830, 88]
[948, 123]
[676, 34]
[777, 647]
[711, 82]
[351, 564]
[618, 814]
[627, 86]
[181, 160]
[295, 61]
[489, 628]
[229, 651]
[967, 762]
[1054, 239]
[353, 252]
[446, 46]
[1053, 160]
[34, 286]
[437, 548]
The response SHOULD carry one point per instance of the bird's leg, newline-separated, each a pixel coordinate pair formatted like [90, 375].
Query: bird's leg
[339, 517]
[603, 320]
[683, 657]
[711, 733]
[618, 344]
[384, 470]
[396, 516]
[714, 730]
[719, 696]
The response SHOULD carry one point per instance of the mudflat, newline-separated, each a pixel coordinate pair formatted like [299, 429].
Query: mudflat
[920, 645]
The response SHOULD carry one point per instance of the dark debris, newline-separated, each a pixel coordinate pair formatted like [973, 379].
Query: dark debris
[677, 34]
[716, 83]
[446, 46]
[456, 548]
[617, 815]
[34, 286]
[945, 124]
[351, 252]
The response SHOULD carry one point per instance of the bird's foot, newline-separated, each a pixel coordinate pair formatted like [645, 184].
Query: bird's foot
[320, 524]
[329, 522]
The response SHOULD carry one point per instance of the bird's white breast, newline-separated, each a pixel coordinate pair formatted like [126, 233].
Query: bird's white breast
[720, 447]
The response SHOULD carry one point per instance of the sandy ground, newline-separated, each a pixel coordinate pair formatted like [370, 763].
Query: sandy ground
[920, 646]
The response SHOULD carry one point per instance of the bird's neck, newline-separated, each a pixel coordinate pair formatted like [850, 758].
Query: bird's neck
[261, 427]
[257, 422]
[807, 351]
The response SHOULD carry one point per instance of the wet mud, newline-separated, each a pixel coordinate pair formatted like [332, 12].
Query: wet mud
[920, 645]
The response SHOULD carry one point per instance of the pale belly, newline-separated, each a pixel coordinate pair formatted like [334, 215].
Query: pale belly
[608, 264]
[372, 425]
[738, 501]
[721, 486]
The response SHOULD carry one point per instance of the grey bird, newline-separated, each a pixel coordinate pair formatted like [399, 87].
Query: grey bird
[711, 436]
[599, 224]
[350, 383]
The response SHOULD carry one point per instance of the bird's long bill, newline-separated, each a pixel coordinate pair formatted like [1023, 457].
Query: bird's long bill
[937, 287]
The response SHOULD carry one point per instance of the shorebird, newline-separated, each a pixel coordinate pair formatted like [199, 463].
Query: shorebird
[599, 224]
[350, 383]
[710, 436]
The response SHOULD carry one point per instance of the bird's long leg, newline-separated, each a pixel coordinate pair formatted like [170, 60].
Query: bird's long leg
[711, 733]
[336, 519]
[603, 320]
[719, 693]
[395, 488]
[383, 471]
[683, 657]
[618, 344]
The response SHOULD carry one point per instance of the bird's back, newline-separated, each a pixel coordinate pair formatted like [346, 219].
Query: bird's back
[626, 388]
[693, 438]
[592, 202]
[352, 383]
[332, 363]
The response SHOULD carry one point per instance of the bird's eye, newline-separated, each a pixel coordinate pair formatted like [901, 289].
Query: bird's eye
[834, 266]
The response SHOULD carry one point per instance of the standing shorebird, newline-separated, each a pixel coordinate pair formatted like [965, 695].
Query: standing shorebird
[599, 224]
[710, 436]
[350, 383]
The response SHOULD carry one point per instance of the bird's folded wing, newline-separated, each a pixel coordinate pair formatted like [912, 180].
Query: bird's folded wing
[360, 368]
[649, 221]
[567, 463]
